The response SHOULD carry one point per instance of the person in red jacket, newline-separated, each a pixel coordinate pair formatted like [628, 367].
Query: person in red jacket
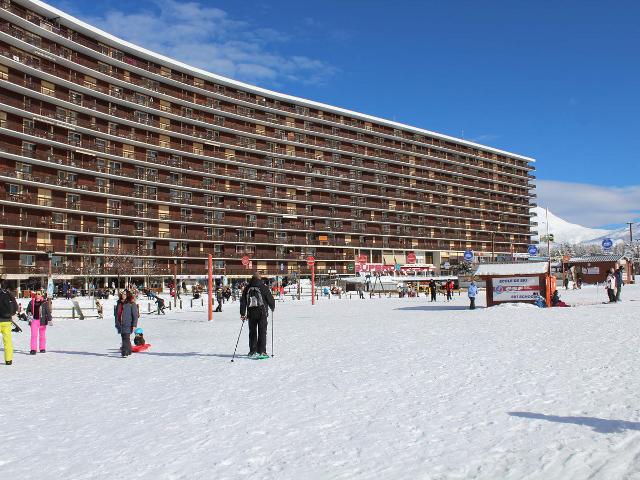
[449, 287]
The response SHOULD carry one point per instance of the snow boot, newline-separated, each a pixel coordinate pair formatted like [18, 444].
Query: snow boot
[32, 352]
[43, 351]
[9, 362]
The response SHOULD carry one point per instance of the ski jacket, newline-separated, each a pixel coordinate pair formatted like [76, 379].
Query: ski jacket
[8, 305]
[34, 308]
[45, 313]
[266, 296]
[129, 318]
[610, 282]
[618, 276]
[117, 314]
[472, 290]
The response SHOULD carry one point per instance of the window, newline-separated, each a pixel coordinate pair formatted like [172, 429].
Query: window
[75, 138]
[101, 145]
[140, 99]
[141, 117]
[116, 91]
[27, 260]
[57, 218]
[28, 149]
[14, 190]
[75, 97]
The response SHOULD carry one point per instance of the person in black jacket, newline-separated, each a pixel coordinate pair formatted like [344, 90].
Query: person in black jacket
[8, 308]
[433, 290]
[255, 302]
[619, 282]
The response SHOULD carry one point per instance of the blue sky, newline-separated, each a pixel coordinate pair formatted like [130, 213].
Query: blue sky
[558, 81]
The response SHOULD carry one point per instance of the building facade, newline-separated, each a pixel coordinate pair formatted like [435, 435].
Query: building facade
[115, 159]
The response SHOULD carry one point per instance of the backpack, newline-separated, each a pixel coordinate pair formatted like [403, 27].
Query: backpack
[254, 298]
[7, 305]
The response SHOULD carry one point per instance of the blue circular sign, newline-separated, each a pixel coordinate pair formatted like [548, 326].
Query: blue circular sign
[468, 255]
[533, 250]
[607, 243]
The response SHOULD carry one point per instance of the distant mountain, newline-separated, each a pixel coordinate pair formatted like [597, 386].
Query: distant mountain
[619, 235]
[563, 231]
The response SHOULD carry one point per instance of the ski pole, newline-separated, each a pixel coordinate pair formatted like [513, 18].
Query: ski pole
[238, 341]
[273, 322]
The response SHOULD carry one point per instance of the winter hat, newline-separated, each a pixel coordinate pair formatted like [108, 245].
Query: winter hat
[138, 331]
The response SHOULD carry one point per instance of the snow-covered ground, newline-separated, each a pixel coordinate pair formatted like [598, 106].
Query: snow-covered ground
[358, 389]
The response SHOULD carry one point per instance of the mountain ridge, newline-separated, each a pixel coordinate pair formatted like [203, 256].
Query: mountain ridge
[567, 232]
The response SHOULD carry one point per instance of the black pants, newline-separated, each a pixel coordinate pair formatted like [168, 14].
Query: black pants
[618, 293]
[473, 303]
[433, 295]
[612, 294]
[125, 349]
[258, 333]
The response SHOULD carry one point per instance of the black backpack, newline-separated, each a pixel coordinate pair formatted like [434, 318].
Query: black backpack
[255, 301]
[7, 305]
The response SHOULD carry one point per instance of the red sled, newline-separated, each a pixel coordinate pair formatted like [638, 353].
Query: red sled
[140, 348]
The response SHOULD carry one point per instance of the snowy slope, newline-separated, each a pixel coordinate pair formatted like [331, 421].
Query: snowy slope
[562, 230]
[359, 389]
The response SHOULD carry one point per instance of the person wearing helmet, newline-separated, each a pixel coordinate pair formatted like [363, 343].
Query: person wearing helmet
[138, 340]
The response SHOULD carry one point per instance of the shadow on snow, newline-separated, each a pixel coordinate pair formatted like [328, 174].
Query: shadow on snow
[599, 425]
[436, 307]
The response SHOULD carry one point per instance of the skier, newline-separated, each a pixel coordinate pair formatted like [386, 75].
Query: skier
[610, 285]
[255, 302]
[40, 311]
[619, 282]
[160, 305]
[433, 289]
[472, 291]
[8, 308]
[219, 300]
[449, 288]
[360, 293]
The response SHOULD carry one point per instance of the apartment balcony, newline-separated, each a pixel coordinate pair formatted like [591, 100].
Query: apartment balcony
[221, 92]
[190, 132]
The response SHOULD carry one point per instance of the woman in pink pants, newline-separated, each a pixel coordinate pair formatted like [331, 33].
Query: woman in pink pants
[40, 311]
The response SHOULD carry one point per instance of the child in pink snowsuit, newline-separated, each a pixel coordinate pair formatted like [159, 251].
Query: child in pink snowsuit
[41, 316]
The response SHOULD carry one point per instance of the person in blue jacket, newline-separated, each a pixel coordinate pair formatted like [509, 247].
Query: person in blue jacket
[472, 292]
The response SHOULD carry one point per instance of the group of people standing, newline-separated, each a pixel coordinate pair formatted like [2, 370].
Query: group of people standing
[126, 314]
[614, 283]
[38, 315]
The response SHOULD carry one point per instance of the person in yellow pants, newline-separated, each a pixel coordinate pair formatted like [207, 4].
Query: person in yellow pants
[5, 328]
[8, 308]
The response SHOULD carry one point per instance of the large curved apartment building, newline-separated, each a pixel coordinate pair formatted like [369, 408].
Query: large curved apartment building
[116, 159]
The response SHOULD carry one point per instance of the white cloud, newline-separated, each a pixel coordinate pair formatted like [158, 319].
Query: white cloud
[207, 37]
[590, 205]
